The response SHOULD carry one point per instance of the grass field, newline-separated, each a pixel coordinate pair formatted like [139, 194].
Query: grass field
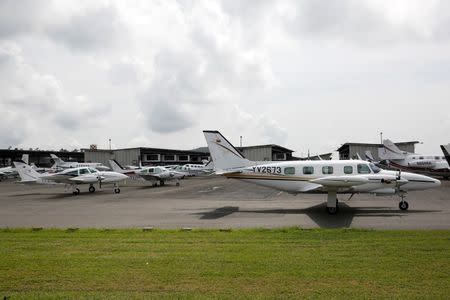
[279, 263]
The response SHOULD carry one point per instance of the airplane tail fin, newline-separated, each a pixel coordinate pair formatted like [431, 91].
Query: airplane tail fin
[446, 151]
[223, 153]
[26, 158]
[115, 166]
[390, 151]
[26, 172]
[369, 155]
[58, 161]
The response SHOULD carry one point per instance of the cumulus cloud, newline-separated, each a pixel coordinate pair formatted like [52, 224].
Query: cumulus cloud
[30, 97]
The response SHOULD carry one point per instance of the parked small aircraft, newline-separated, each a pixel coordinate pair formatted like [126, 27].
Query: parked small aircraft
[153, 174]
[323, 176]
[72, 177]
[196, 169]
[60, 164]
[393, 157]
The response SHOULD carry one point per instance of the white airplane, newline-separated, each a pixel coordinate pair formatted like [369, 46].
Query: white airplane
[435, 165]
[196, 169]
[11, 171]
[7, 171]
[322, 176]
[60, 164]
[153, 174]
[72, 177]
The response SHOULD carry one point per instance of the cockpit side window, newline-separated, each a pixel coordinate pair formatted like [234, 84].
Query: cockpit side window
[84, 171]
[150, 170]
[92, 170]
[374, 168]
[72, 173]
[363, 169]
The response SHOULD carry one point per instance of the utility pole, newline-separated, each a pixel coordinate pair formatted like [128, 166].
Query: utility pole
[109, 144]
[381, 137]
[241, 141]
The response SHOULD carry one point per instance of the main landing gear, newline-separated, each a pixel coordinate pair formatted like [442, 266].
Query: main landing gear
[91, 189]
[332, 203]
[403, 205]
[116, 188]
[75, 191]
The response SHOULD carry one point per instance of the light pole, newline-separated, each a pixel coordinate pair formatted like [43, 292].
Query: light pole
[381, 137]
[109, 144]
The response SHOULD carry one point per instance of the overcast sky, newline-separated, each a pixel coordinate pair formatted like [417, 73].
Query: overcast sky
[302, 74]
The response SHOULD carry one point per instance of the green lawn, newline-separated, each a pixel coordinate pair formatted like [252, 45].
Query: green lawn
[279, 263]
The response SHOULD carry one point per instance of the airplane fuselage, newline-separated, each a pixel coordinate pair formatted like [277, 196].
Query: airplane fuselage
[351, 176]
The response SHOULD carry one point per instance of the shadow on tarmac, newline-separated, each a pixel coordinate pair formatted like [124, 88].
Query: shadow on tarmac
[317, 213]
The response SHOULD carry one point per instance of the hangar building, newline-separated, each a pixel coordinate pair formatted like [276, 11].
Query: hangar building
[159, 156]
[350, 150]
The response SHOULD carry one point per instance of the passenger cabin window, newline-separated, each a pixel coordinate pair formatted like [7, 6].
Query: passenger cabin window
[363, 169]
[348, 169]
[327, 170]
[158, 170]
[436, 157]
[289, 171]
[308, 170]
[151, 170]
[420, 157]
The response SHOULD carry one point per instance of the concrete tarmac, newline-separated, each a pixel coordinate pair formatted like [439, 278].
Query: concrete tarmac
[213, 202]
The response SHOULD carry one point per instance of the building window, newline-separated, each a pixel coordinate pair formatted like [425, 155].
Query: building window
[348, 170]
[308, 170]
[279, 156]
[153, 157]
[327, 170]
[169, 157]
[183, 157]
[363, 169]
[289, 171]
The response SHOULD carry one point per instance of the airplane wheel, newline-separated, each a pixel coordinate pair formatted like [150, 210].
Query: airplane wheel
[161, 183]
[91, 189]
[117, 191]
[177, 184]
[403, 205]
[332, 210]
[155, 184]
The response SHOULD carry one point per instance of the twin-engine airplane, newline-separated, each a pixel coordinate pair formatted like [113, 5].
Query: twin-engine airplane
[393, 157]
[72, 177]
[331, 177]
[60, 164]
[153, 174]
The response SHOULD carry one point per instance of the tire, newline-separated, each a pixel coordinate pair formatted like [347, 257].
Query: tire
[117, 191]
[91, 189]
[177, 184]
[403, 205]
[332, 210]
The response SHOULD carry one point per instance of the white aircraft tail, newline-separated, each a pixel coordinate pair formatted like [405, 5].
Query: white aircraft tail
[391, 151]
[58, 161]
[26, 172]
[26, 158]
[115, 166]
[369, 155]
[226, 158]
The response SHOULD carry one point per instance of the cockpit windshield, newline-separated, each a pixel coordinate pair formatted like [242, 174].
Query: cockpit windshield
[374, 168]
